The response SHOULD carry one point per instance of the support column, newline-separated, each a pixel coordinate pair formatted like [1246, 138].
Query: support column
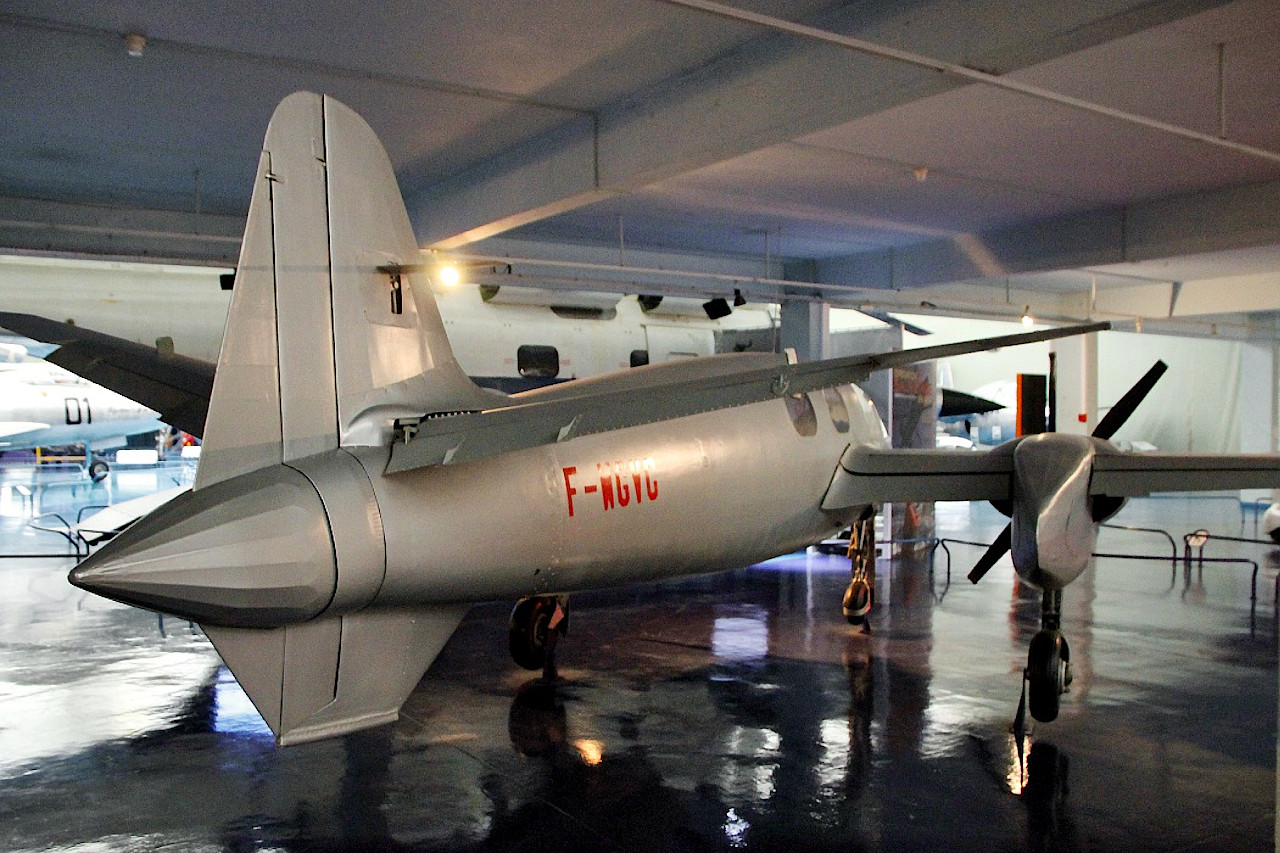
[1259, 420]
[805, 327]
[1077, 392]
[1258, 380]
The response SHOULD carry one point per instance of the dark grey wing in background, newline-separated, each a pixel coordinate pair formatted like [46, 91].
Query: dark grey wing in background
[176, 386]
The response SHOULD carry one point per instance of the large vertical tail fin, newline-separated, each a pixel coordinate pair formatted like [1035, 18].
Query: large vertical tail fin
[318, 352]
[323, 351]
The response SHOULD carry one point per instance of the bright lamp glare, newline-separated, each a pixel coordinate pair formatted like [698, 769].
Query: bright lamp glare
[449, 275]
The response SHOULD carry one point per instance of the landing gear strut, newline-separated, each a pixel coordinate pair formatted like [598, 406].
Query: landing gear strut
[1048, 671]
[860, 595]
[536, 624]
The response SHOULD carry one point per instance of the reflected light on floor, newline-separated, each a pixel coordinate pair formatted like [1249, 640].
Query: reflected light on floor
[1017, 776]
[741, 638]
[735, 829]
[592, 751]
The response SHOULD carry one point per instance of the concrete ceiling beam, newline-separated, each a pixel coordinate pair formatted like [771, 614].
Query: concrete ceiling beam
[773, 88]
[34, 225]
[1215, 220]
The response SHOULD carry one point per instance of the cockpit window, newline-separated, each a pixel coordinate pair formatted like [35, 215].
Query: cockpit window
[803, 417]
[538, 361]
[837, 407]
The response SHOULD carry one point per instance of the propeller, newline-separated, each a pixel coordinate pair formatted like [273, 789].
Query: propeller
[1106, 428]
[1121, 411]
[994, 552]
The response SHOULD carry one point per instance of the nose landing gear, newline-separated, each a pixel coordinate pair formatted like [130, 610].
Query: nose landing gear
[860, 595]
[1048, 671]
[536, 624]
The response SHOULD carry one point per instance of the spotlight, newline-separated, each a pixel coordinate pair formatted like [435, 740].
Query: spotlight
[134, 44]
[449, 275]
[1027, 319]
[717, 308]
[738, 299]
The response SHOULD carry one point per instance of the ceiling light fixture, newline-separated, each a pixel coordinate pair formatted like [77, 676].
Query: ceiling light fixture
[134, 43]
[449, 275]
[1027, 319]
[716, 308]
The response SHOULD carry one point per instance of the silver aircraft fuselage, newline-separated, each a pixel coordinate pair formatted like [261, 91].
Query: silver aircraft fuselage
[648, 502]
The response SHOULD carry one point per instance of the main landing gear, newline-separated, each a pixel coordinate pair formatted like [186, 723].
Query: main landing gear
[1048, 672]
[535, 626]
[860, 595]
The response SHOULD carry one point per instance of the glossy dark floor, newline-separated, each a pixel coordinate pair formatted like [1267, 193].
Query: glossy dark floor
[730, 712]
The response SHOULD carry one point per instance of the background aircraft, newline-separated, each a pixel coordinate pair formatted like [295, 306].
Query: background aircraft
[42, 405]
[348, 467]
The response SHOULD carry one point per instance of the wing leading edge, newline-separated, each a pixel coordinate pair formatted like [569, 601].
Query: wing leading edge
[1126, 475]
[868, 475]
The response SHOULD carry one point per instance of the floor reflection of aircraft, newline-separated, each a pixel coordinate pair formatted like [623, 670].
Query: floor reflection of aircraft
[42, 405]
[349, 467]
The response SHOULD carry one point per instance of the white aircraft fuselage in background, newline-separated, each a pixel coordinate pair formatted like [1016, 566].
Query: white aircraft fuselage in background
[44, 406]
[486, 334]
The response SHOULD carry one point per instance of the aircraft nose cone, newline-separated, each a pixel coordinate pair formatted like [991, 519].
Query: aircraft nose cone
[251, 552]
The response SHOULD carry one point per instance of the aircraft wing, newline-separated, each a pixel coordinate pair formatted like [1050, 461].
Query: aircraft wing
[106, 523]
[684, 388]
[1123, 475]
[868, 475]
[176, 386]
[8, 428]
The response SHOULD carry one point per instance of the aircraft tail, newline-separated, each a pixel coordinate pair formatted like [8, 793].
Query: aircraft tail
[321, 349]
[335, 674]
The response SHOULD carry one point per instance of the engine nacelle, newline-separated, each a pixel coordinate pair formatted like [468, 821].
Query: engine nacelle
[1054, 530]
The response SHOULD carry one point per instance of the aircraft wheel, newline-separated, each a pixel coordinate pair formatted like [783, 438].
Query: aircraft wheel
[857, 601]
[530, 627]
[1048, 674]
[98, 470]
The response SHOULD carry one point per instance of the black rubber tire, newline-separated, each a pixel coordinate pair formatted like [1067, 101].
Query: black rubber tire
[858, 599]
[98, 470]
[1045, 667]
[528, 629]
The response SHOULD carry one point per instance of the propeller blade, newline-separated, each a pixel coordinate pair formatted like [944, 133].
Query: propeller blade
[994, 552]
[1121, 411]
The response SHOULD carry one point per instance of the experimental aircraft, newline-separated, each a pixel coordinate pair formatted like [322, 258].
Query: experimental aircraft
[349, 466]
[42, 405]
